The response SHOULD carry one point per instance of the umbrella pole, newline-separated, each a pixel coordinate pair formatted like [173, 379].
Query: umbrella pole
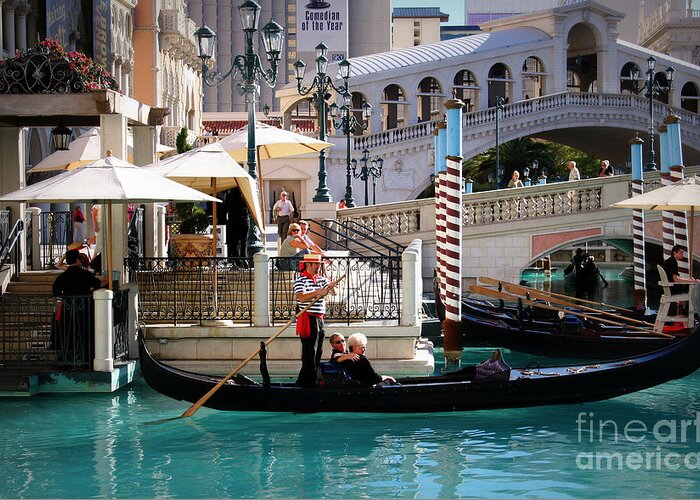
[692, 242]
[109, 245]
[262, 200]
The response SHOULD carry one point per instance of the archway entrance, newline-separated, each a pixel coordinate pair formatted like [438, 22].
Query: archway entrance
[582, 60]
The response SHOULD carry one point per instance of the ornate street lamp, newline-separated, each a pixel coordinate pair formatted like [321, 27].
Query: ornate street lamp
[347, 123]
[500, 102]
[370, 168]
[249, 68]
[652, 88]
[320, 86]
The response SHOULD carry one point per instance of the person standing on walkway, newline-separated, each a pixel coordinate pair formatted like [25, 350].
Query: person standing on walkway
[606, 169]
[574, 174]
[78, 225]
[283, 210]
[308, 287]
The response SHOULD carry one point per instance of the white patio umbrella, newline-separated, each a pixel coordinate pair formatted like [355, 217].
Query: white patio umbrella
[683, 195]
[109, 180]
[210, 169]
[83, 150]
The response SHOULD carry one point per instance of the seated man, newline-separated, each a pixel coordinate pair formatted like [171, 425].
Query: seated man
[360, 369]
[75, 280]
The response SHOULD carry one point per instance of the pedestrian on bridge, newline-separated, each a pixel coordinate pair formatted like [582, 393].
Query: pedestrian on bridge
[606, 170]
[574, 174]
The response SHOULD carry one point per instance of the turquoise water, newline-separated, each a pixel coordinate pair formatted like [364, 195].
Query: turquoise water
[116, 446]
[124, 445]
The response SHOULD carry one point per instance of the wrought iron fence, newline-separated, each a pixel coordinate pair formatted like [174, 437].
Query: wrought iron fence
[193, 289]
[371, 290]
[56, 234]
[43, 331]
[120, 325]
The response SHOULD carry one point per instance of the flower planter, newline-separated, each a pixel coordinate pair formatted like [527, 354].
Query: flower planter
[193, 245]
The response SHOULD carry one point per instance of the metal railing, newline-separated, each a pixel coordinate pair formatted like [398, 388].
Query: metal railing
[193, 289]
[352, 236]
[10, 249]
[44, 331]
[56, 234]
[371, 290]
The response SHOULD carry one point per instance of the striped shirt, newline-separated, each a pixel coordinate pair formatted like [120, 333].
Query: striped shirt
[304, 284]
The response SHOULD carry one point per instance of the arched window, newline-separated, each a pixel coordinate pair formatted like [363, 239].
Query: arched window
[466, 89]
[429, 99]
[500, 83]
[626, 82]
[393, 107]
[690, 97]
[661, 79]
[533, 75]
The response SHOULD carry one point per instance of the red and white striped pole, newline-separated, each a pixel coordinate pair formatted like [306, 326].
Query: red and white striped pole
[666, 215]
[639, 264]
[680, 222]
[440, 133]
[451, 189]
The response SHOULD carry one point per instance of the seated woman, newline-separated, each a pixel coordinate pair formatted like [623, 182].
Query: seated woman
[293, 248]
[360, 369]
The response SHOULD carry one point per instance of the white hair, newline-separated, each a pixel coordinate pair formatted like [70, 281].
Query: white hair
[357, 339]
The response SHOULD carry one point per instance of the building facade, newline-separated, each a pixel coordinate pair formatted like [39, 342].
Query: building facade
[416, 25]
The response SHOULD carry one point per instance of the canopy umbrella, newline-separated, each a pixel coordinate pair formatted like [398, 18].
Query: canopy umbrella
[109, 180]
[271, 142]
[210, 169]
[83, 150]
[683, 195]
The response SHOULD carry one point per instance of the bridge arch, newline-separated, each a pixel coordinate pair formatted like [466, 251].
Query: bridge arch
[534, 76]
[626, 80]
[690, 97]
[500, 83]
[466, 88]
[394, 105]
[430, 98]
[584, 43]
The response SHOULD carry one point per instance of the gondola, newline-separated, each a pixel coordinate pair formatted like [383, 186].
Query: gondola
[587, 275]
[545, 334]
[458, 391]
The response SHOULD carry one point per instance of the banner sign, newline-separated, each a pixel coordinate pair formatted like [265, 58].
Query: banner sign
[58, 20]
[101, 20]
[322, 21]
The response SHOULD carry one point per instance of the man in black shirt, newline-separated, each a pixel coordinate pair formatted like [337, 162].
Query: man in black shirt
[75, 280]
[670, 265]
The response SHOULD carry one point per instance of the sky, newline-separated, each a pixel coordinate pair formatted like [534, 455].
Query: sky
[455, 8]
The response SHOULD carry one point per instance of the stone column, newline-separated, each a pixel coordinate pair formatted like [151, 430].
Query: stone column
[8, 16]
[21, 26]
[104, 343]
[144, 153]
[133, 325]
[36, 237]
[12, 165]
[261, 278]
[113, 136]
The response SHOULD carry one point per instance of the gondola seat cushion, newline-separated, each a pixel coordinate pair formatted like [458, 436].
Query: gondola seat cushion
[333, 375]
[571, 325]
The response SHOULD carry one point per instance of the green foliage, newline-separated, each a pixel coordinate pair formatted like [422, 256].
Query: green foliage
[181, 141]
[521, 153]
[194, 218]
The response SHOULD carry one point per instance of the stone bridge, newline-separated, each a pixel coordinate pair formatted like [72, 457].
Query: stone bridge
[600, 124]
[507, 230]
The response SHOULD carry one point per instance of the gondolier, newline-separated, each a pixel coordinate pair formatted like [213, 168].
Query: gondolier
[308, 287]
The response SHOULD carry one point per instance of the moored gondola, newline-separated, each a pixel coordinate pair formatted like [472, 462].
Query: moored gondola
[459, 391]
[544, 333]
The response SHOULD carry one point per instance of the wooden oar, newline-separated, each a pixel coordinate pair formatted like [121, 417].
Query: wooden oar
[538, 294]
[192, 409]
[495, 282]
[482, 290]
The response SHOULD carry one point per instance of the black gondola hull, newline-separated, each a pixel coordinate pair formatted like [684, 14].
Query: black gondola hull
[553, 385]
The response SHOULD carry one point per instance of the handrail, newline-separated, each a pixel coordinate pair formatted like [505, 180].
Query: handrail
[524, 108]
[10, 244]
[357, 234]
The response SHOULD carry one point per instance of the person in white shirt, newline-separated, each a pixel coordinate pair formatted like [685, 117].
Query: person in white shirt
[574, 174]
[283, 210]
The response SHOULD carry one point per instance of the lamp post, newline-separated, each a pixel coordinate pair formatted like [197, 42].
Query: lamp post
[370, 168]
[320, 86]
[651, 88]
[500, 101]
[250, 70]
[347, 123]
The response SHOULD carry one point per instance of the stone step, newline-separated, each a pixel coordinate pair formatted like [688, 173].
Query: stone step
[29, 288]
